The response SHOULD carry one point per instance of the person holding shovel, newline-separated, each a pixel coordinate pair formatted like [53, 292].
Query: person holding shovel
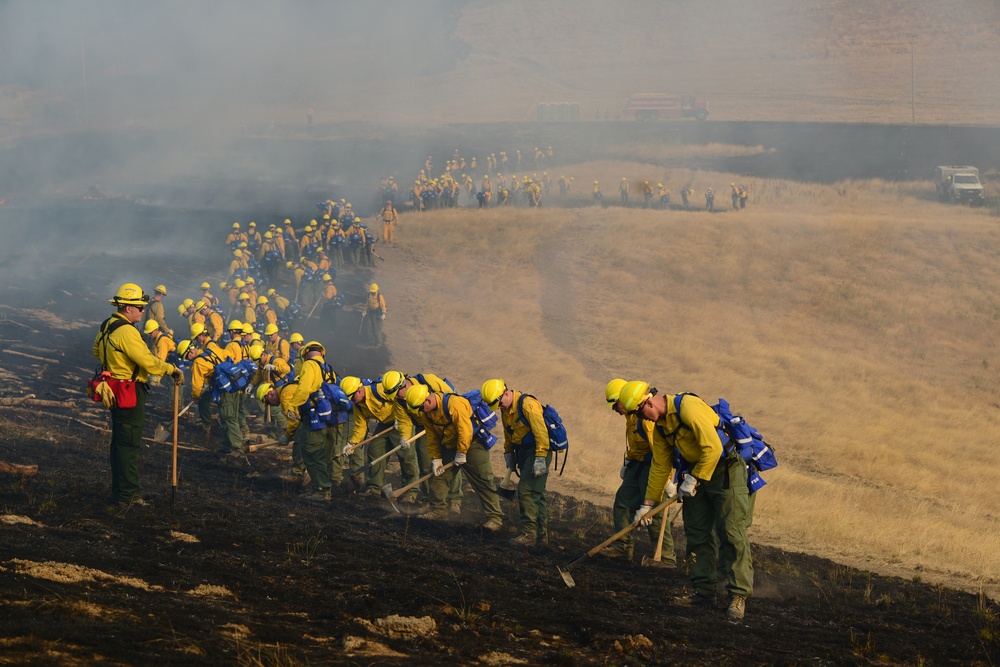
[123, 354]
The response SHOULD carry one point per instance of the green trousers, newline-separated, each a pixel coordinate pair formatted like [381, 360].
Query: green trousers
[126, 442]
[379, 446]
[630, 495]
[373, 327]
[455, 492]
[205, 407]
[229, 413]
[479, 471]
[353, 462]
[317, 454]
[721, 505]
[534, 511]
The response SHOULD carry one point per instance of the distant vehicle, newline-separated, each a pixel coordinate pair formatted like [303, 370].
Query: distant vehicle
[653, 106]
[959, 185]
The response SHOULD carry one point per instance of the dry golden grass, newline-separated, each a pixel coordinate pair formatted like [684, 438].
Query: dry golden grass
[851, 323]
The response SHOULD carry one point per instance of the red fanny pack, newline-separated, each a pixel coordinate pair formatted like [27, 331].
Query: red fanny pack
[124, 391]
[99, 377]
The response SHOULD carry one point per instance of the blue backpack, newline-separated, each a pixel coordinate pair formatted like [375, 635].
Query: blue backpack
[230, 377]
[558, 441]
[355, 240]
[293, 311]
[483, 418]
[328, 405]
[736, 435]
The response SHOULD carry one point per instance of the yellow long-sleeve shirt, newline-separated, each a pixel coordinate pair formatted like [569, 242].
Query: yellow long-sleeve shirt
[202, 368]
[123, 350]
[285, 395]
[376, 406]
[515, 430]
[154, 311]
[215, 325]
[310, 379]
[281, 369]
[451, 430]
[698, 444]
[280, 349]
[162, 346]
[638, 436]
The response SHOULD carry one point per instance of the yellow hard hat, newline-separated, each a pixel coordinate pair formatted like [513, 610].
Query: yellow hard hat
[247, 328]
[188, 303]
[633, 394]
[243, 244]
[263, 390]
[200, 305]
[222, 285]
[288, 221]
[271, 329]
[392, 382]
[161, 289]
[197, 329]
[150, 327]
[415, 397]
[255, 351]
[613, 390]
[206, 285]
[236, 225]
[289, 264]
[347, 205]
[311, 223]
[262, 301]
[255, 337]
[327, 276]
[250, 280]
[659, 185]
[253, 224]
[295, 338]
[268, 235]
[180, 309]
[350, 384]
[237, 253]
[313, 345]
[240, 283]
[373, 288]
[183, 347]
[492, 390]
[272, 292]
[235, 325]
[129, 294]
[326, 216]
[244, 297]
[356, 220]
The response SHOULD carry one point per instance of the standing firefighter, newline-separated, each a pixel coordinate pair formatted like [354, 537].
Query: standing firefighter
[526, 452]
[317, 444]
[374, 314]
[154, 311]
[128, 364]
[714, 492]
[389, 219]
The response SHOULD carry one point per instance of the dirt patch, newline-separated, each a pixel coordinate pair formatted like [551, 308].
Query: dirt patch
[401, 627]
[183, 537]
[13, 519]
[359, 647]
[67, 573]
[207, 590]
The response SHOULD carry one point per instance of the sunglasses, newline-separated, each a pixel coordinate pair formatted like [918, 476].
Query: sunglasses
[140, 308]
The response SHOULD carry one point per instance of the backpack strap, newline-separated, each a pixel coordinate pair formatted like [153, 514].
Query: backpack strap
[444, 407]
[106, 331]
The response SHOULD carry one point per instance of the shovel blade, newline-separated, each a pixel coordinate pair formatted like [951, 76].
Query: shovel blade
[507, 494]
[566, 577]
[387, 492]
[652, 562]
[161, 433]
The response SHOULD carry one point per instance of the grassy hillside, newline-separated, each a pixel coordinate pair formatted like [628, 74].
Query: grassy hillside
[860, 342]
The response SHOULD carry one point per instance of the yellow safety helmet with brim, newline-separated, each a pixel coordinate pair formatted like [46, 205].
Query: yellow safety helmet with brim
[188, 303]
[129, 294]
[296, 338]
[263, 390]
[201, 305]
[255, 351]
[373, 288]
[492, 391]
[415, 397]
[197, 329]
[392, 382]
[247, 329]
[350, 385]
[235, 325]
[313, 345]
[150, 327]
[270, 329]
[161, 289]
[183, 347]
[613, 390]
[206, 285]
[262, 301]
[633, 394]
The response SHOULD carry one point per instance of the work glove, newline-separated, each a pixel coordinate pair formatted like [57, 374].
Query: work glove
[292, 416]
[511, 459]
[270, 367]
[283, 440]
[623, 471]
[178, 376]
[349, 449]
[688, 486]
[539, 468]
[436, 467]
[670, 491]
[382, 317]
[640, 515]
[249, 390]
[404, 445]
[460, 459]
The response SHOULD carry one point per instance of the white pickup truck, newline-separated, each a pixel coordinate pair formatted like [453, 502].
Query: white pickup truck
[959, 185]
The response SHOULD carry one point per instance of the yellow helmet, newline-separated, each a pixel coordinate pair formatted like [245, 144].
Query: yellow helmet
[373, 288]
[237, 253]
[326, 216]
[327, 276]
[272, 292]
[129, 294]
[197, 329]
[288, 221]
[200, 305]
[235, 325]
[255, 351]
[289, 264]
[250, 280]
[492, 391]
[255, 337]
[295, 338]
[161, 289]
[415, 397]
[247, 328]
[240, 283]
[313, 345]
[633, 394]
[268, 235]
[188, 303]
[350, 384]
[263, 390]
[180, 309]
[270, 329]
[262, 301]
[244, 297]
[659, 185]
[243, 244]
[206, 285]
[150, 326]
[613, 390]
[236, 225]
[253, 224]
[183, 347]
[392, 382]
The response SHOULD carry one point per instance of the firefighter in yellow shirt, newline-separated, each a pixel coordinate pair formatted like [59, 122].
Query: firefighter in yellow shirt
[277, 395]
[374, 315]
[318, 446]
[447, 418]
[235, 236]
[160, 345]
[389, 218]
[526, 452]
[275, 344]
[623, 189]
[716, 500]
[154, 311]
[370, 402]
[122, 353]
[204, 354]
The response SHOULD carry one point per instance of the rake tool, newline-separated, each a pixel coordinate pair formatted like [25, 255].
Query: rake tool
[564, 571]
[391, 495]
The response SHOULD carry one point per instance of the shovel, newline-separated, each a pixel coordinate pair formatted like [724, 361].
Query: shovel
[391, 495]
[655, 560]
[564, 571]
[173, 479]
[503, 489]
[356, 473]
[162, 432]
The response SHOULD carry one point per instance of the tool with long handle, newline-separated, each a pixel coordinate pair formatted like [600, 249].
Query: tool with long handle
[656, 561]
[173, 478]
[391, 495]
[361, 327]
[366, 467]
[367, 440]
[160, 433]
[313, 308]
[564, 571]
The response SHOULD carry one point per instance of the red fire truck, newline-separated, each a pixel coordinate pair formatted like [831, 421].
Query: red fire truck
[653, 106]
